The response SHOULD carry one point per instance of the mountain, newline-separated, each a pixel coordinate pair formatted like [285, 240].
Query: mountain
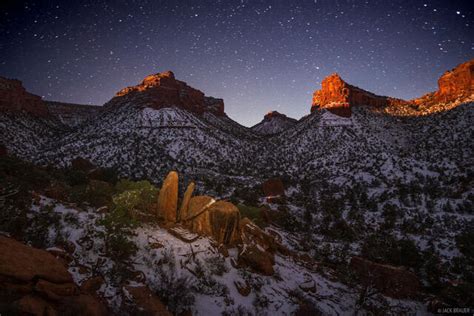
[273, 123]
[370, 183]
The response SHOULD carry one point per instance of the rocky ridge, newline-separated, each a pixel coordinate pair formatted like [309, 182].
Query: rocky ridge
[273, 122]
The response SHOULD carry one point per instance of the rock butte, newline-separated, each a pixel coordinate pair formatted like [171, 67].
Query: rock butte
[162, 90]
[14, 98]
[338, 97]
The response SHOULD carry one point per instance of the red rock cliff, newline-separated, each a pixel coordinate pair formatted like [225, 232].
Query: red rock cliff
[15, 99]
[338, 97]
[454, 85]
[163, 90]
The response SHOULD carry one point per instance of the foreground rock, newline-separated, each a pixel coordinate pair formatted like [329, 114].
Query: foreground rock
[34, 282]
[389, 280]
[26, 264]
[144, 302]
[273, 187]
[168, 198]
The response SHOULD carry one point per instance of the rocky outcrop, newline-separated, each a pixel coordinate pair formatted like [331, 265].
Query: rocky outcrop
[274, 122]
[163, 90]
[15, 99]
[224, 222]
[273, 187]
[391, 281]
[338, 97]
[26, 264]
[34, 282]
[183, 210]
[144, 302]
[202, 215]
[454, 85]
[168, 198]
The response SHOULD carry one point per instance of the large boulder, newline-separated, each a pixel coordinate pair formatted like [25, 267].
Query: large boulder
[168, 198]
[392, 281]
[224, 219]
[183, 210]
[144, 301]
[219, 220]
[256, 259]
[197, 219]
[24, 263]
[273, 187]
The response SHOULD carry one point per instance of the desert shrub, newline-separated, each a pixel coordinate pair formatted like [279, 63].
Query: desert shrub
[98, 193]
[174, 290]
[43, 228]
[132, 195]
[251, 212]
[386, 249]
[216, 265]
[75, 177]
[119, 228]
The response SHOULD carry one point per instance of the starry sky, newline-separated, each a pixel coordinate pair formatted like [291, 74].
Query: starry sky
[256, 55]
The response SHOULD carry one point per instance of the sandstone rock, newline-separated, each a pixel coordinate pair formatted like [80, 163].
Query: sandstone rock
[243, 287]
[183, 210]
[308, 286]
[163, 90]
[15, 99]
[273, 187]
[219, 220]
[198, 217]
[146, 301]
[224, 219]
[389, 280]
[92, 285]
[168, 198]
[455, 84]
[258, 260]
[338, 97]
[55, 291]
[25, 263]
[34, 305]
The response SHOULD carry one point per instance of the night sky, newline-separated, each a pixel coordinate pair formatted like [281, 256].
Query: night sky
[257, 55]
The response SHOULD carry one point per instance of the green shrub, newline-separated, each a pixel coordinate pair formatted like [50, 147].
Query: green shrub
[251, 212]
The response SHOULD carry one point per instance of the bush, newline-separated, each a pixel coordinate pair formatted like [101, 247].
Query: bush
[251, 212]
[132, 195]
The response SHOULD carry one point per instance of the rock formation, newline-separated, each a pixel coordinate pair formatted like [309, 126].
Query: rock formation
[33, 281]
[183, 210]
[453, 85]
[224, 221]
[15, 99]
[168, 198]
[163, 90]
[273, 187]
[338, 97]
[391, 281]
